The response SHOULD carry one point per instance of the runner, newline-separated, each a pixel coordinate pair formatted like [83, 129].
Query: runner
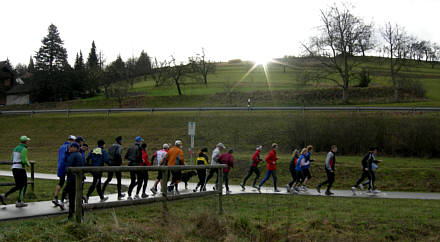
[330, 162]
[145, 162]
[214, 161]
[63, 152]
[175, 157]
[19, 159]
[228, 160]
[115, 159]
[159, 156]
[202, 160]
[374, 167]
[271, 166]
[298, 169]
[134, 157]
[74, 160]
[253, 169]
[306, 168]
[98, 157]
[292, 165]
[367, 171]
[80, 140]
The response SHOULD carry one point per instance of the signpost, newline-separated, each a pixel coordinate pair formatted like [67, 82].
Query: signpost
[192, 133]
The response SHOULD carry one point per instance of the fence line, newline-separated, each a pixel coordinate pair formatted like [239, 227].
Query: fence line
[201, 109]
[79, 174]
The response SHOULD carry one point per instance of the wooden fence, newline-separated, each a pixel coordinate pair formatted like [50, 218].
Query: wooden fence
[79, 173]
[31, 181]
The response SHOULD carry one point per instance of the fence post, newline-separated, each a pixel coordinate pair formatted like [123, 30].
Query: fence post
[78, 197]
[32, 176]
[220, 190]
[68, 113]
[164, 189]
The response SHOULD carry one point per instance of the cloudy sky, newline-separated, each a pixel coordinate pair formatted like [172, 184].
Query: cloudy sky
[227, 29]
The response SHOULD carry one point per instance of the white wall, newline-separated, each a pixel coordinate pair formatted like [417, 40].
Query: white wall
[17, 99]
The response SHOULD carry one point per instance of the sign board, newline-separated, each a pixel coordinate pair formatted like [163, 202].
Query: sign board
[192, 128]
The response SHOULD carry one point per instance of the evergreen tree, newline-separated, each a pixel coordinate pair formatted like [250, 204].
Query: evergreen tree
[51, 56]
[31, 67]
[143, 65]
[94, 71]
[92, 60]
[79, 62]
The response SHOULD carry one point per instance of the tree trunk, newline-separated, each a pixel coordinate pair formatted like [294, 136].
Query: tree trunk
[345, 95]
[106, 92]
[178, 87]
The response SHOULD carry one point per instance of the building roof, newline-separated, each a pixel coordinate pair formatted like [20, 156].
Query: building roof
[20, 89]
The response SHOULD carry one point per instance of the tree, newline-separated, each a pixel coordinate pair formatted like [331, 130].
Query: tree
[31, 66]
[119, 90]
[396, 48]
[143, 65]
[51, 81]
[159, 72]
[94, 71]
[131, 70]
[115, 72]
[339, 41]
[202, 66]
[176, 72]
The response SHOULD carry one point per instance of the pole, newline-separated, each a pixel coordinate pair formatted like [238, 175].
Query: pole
[78, 197]
[220, 190]
[164, 189]
[32, 176]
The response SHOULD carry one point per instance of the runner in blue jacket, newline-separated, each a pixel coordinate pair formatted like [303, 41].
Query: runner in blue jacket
[98, 156]
[63, 152]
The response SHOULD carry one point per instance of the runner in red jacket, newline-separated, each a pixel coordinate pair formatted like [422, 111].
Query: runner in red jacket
[228, 160]
[271, 166]
[253, 168]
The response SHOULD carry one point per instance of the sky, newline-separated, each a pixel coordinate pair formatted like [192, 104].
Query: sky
[226, 29]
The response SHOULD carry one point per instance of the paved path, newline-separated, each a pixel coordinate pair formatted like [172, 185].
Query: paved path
[45, 208]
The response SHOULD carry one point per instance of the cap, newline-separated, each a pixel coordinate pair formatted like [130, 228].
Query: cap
[79, 139]
[165, 146]
[139, 139]
[259, 147]
[274, 144]
[221, 145]
[71, 137]
[74, 144]
[24, 138]
[178, 142]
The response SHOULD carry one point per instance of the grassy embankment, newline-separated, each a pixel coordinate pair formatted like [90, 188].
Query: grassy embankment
[241, 132]
[246, 218]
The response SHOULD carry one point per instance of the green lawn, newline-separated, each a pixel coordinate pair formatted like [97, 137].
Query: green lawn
[246, 218]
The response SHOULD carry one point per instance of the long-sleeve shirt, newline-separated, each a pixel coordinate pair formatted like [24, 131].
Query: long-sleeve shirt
[74, 160]
[227, 159]
[256, 158]
[271, 160]
[19, 157]
[215, 155]
[175, 156]
[145, 161]
[62, 157]
[98, 156]
[330, 161]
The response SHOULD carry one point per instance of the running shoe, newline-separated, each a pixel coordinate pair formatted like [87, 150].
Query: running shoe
[361, 187]
[195, 190]
[259, 189]
[55, 202]
[144, 195]
[318, 189]
[104, 199]
[329, 193]
[153, 190]
[120, 197]
[136, 197]
[288, 188]
[129, 198]
[376, 191]
[228, 192]
[21, 204]
[276, 190]
[62, 207]
[243, 188]
[353, 189]
[297, 189]
[86, 199]
[304, 188]
[368, 191]
[3, 199]
[176, 192]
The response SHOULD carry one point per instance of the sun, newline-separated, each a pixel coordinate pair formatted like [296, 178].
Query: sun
[262, 59]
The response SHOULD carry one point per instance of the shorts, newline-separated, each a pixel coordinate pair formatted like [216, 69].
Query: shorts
[306, 173]
[62, 180]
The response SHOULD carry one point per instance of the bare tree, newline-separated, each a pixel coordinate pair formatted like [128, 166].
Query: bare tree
[396, 48]
[176, 72]
[119, 90]
[201, 65]
[159, 72]
[342, 36]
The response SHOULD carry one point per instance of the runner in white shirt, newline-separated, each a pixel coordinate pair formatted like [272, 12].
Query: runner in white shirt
[159, 157]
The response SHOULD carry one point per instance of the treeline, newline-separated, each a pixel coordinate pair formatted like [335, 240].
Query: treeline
[54, 79]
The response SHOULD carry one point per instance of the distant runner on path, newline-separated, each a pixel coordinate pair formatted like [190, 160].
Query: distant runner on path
[19, 159]
[292, 165]
[214, 161]
[134, 157]
[98, 156]
[271, 166]
[253, 168]
[145, 162]
[330, 162]
[160, 157]
[228, 160]
[202, 160]
[74, 160]
[367, 171]
[175, 158]
[306, 168]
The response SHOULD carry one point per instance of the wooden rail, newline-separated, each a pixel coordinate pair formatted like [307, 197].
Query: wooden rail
[79, 174]
[31, 181]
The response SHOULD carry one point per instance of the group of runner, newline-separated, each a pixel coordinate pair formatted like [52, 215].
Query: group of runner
[72, 153]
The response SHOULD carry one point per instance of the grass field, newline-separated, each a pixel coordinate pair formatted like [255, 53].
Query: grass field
[246, 218]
